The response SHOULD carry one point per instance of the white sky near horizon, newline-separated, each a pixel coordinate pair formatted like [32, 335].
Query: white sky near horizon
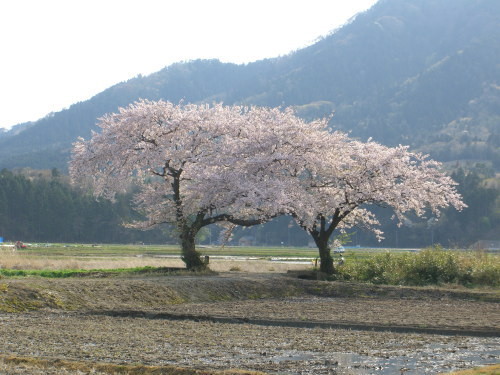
[54, 53]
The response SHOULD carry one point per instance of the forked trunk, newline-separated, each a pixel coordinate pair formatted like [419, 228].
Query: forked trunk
[321, 232]
[189, 254]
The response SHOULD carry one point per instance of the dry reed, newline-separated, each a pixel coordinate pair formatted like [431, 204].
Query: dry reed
[18, 260]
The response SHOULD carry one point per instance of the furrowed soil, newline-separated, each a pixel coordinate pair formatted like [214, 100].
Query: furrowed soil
[241, 323]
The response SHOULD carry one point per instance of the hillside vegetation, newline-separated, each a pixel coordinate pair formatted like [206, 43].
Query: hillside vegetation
[422, 73]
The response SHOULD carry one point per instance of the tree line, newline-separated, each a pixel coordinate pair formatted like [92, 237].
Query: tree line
[43, 207]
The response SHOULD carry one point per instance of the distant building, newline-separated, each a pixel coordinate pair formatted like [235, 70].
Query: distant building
[246, 241]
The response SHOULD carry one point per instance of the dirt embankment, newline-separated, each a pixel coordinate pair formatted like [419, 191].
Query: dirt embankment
[281, 300]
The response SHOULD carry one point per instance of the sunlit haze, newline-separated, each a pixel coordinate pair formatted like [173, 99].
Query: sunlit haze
[58, 52]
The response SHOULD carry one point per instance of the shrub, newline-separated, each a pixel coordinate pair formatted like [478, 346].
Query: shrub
[429, 266]
[485, 271]
[433, 266]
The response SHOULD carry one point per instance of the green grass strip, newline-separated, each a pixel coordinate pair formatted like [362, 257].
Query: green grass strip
[83, 273]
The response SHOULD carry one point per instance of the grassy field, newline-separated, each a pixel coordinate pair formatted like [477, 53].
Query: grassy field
[58, 249]
[375, 265]
[57, 256]
[111, 250]
[123, 250]
[107, 257]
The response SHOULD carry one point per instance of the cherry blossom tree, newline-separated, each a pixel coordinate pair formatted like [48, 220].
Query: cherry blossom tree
[351, 176]
[197, 165]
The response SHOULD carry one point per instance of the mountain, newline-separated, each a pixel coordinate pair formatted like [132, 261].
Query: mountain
[417, 72]
[16, 129]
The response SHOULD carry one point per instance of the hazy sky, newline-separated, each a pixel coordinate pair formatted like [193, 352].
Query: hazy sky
[57, 52]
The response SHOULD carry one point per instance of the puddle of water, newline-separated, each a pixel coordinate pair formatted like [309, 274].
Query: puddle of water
[293, 357]
[432, 359]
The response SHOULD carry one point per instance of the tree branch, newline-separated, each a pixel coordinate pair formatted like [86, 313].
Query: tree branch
[237, 221]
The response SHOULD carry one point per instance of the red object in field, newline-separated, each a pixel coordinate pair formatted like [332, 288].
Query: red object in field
[20, 245]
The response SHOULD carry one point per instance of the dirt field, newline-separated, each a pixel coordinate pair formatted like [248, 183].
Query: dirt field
[272, 323]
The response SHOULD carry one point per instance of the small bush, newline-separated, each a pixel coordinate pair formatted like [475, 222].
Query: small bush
[427, 267]
[485, 274]
[433, 266]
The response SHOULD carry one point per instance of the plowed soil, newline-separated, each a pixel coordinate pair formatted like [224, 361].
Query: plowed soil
[276, 324]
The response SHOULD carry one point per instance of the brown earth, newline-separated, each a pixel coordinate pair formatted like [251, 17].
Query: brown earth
[272, 323]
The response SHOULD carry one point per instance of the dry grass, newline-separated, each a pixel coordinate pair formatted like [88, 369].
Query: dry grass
[17, 260]
[488, 370]
[255, 266]
[37, 366]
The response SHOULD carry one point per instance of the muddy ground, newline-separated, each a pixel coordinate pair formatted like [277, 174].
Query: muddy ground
[276, 324]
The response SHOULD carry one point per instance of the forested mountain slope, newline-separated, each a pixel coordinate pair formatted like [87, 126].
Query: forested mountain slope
[417, 72]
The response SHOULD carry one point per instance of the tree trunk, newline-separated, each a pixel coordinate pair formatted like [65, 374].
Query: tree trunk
[190, 256]
[326, 259]
[325, 255]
